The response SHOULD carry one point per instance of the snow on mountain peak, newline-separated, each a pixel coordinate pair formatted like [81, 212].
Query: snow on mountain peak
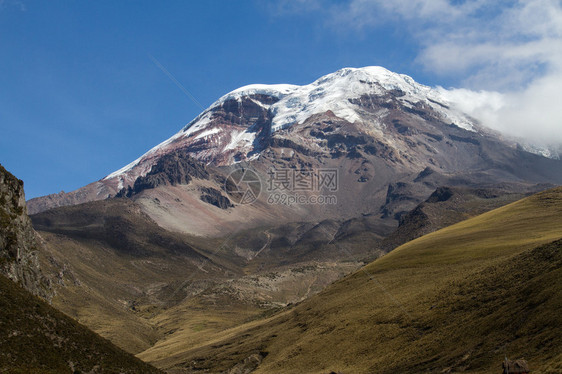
[331, 92]
[275, 90]
[293, 104]
[334, 91]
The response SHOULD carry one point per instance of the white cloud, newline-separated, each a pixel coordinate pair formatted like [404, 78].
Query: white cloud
[518, 52]
[533, 113]
[507, 53]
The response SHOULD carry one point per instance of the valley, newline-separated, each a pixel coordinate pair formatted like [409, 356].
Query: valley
[459, 299]
[438, 250]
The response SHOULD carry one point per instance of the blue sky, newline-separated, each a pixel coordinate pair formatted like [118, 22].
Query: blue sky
[80, 95]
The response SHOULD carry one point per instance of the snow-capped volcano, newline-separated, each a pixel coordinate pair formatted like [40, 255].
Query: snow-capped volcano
[258, 110]
[378, 126]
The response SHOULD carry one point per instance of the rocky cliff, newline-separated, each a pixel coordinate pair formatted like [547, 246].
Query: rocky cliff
[18, 241]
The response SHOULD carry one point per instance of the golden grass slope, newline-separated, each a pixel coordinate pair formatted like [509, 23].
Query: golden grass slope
[457, 300]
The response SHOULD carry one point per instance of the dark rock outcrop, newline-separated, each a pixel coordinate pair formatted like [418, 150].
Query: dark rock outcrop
[215, 197]
[398, 196]
[440, 194]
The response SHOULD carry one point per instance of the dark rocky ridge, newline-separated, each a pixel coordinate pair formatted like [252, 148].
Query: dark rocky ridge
[18, 241]
[171, 169]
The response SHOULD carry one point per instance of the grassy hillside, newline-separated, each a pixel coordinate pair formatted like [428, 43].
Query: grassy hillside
[456, 300]
[36, 338]
[117, 272]
[447, 206]
[112, 262]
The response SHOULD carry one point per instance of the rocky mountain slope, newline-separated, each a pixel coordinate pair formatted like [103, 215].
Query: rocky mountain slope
[456, 300]
[381, 131]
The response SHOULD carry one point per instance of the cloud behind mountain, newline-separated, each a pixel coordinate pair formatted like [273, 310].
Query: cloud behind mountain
[506, 55]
